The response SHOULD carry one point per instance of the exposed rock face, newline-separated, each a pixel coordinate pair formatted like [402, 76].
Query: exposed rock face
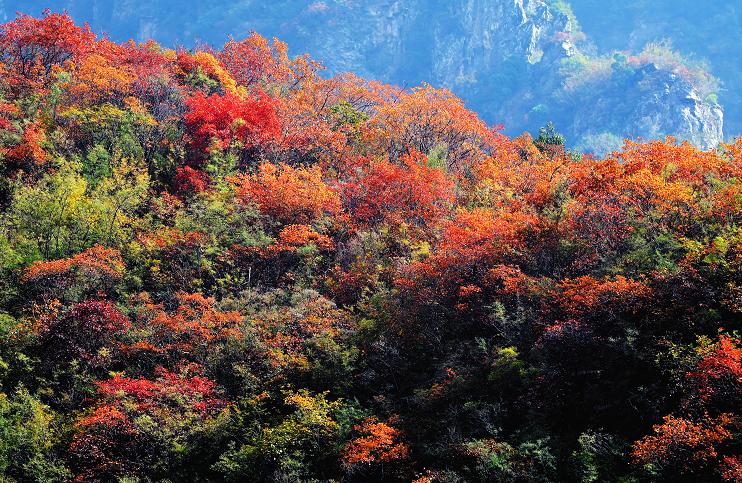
[485, 34]
[677, 108]
[709, 31]
[653, 103]
[514, 61]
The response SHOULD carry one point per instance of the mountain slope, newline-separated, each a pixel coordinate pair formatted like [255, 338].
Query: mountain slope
[520, 63]
[217, 265]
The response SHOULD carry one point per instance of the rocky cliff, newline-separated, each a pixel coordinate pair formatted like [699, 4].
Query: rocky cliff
[707, 31]
[520, 63]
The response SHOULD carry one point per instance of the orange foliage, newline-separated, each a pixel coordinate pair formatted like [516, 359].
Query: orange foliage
[101, 76]
[664, 178]
[481, 234]
[682, 442]
[293, 237]
[731, 469]
[425, 118]
[469, 247]
[379, 443]
[21, 147]
[517, 175]
[309, 129]
[96, 263]
[302, 99]
[503, 241]
[176, 257]
[410, 192]
[28, 152]
[254, 62]
[173, 239]
[583, 295]
[8, 112]
[185, 331]
[721, 365]
[290, 195]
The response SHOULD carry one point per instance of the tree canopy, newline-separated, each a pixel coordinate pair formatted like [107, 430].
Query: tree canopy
[219, 265]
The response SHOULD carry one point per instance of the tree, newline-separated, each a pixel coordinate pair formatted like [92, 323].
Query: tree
[221, 122]
[307, 341]
[549, 139]
[219, 264]
[411, 192]
[31, 47]
[199, 64]
[257, 64]
[681, 448]
[288, 195]
[424, 119]
[61, 214]
[187, 332]
[300, 444]
[83, 333]
[137, 423]
[378, 443]
[28, 437]
[89, 272]
[717, 375]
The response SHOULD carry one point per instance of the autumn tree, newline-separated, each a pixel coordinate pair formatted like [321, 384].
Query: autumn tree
[683, 449]
[412, 192]
[221, 122]
[187, 332]
[378, 443]
[287, 194]
[31, 47]
[87, 332]
[219, 264]
[137, 422]
[94, 270]
[425, 119]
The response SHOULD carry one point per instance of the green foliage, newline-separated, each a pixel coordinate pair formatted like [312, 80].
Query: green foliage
[198, 79]
[346, 115]
[61, 214]
[122, 132]
[530, 461]
[437, 157]
[598, 458]
[28, 437]
[299, 446]
[548, 137]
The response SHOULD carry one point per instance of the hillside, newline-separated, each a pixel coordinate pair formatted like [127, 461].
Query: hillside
[517, 63]
[692, 27]
[220, 265]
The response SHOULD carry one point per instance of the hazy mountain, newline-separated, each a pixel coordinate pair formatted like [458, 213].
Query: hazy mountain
[708, 31]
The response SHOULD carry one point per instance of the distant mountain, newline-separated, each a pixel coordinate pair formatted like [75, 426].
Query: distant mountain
[520, 63]
[709, 31]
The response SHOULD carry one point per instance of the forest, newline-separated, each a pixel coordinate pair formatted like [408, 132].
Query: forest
[224, 265]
